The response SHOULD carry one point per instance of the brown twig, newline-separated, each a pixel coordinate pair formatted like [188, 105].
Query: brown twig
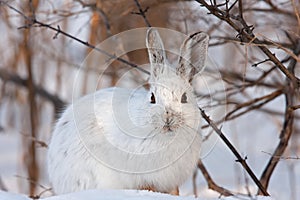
[210, 182]
[104, 16]
[2, 186]
[295, 107]
[267, 10]
[111, 56]
[45, 189]
[35, 140]
[241, 160]
[286, 133]
[16, 79]
[38, 196]
[288, 124]
[142, 12]
[283, 157]
[31, 159]
[33, 22]
[194, 179]
[253, 104]
[261, 42]
[246, 35]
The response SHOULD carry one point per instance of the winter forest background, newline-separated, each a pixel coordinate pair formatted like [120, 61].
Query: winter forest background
[252, 78]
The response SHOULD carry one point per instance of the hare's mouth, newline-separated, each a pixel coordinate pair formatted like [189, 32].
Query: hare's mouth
[167, 128]
[170, 125]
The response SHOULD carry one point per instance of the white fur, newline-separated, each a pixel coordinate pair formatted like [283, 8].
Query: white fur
[115, 138]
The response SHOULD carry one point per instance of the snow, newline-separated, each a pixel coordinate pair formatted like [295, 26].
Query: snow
[117, 195]
[11, 196]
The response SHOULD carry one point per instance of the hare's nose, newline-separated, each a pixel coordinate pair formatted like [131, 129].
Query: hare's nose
[169, 111]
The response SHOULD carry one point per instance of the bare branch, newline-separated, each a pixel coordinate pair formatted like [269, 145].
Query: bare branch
[94, 6]
[286, 133]
[288, 124]
[253, 104]
[295, 107]
[35, 140]
[194, 178]
[210, 182]
[235, 152]
[246, 35]
[2, 186]
[31, 160]
[142, 12]
[58, 31]
[283, 157]
[14, 78]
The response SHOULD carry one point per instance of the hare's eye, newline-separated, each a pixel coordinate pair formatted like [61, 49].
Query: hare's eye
[152, 100]
[184, 98]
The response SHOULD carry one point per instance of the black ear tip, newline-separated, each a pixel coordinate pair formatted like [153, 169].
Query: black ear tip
[194, 34]
[198, 36]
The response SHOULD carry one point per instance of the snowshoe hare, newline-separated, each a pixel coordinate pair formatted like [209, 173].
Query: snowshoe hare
[119, 138]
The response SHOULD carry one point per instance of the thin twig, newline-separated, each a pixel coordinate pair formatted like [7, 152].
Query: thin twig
[36, 23]
[40, 194]
[241, 160]
[31, 159]
[286, 133]
[210, 182]
[35, 140]
[142, 12]
[260, 62]
[111, 56]
[253, 104]
[283, 157]
[2, 186]
[104, 16]
[194, 179]
[295, 107]
[246, 35]
[288, 124]
[32, 181]
[16, 79]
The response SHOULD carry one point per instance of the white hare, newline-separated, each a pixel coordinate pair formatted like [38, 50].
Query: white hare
[133, 139]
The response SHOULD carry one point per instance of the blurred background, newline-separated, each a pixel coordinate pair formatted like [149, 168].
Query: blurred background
[253, 69]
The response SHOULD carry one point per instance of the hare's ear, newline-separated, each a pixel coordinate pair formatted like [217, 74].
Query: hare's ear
[156, 52]
[193, 53]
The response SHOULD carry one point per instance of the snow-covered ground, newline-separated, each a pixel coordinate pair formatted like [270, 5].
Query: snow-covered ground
[117, 195]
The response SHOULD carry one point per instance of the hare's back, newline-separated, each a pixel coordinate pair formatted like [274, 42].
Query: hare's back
[97, 112]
